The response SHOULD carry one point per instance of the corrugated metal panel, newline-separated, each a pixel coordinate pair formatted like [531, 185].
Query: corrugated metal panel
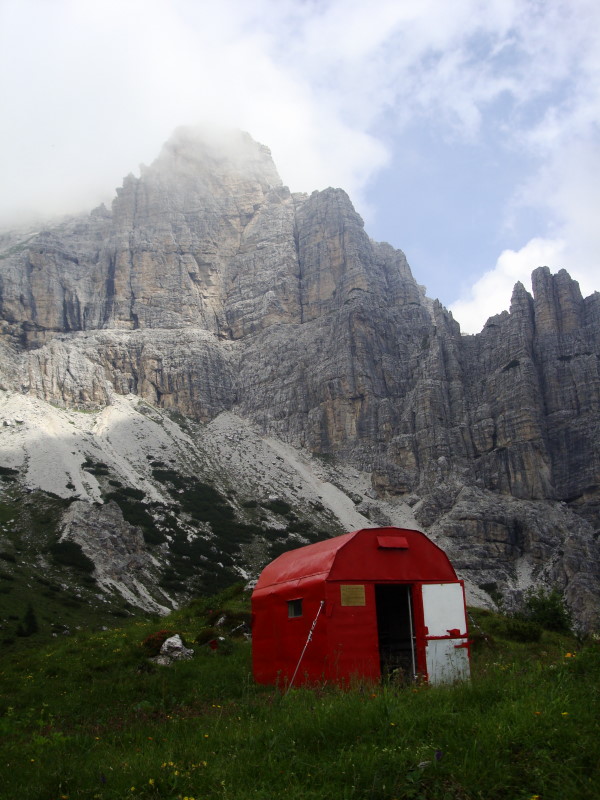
[314, 559]
[365, 560]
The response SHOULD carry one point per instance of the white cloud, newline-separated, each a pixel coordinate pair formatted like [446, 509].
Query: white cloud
[97, 88]
[562, 136]
[567, 188]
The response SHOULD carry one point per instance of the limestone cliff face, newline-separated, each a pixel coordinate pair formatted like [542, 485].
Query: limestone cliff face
[208, 287]
[169, 253]
[541, 386]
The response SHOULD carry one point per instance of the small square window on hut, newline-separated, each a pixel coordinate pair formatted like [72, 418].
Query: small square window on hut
[295, 608]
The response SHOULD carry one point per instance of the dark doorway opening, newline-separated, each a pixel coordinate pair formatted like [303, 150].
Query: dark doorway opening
[395, 630]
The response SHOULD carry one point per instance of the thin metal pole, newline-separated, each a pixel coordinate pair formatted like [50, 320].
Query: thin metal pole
[412, 641]
[310, 633]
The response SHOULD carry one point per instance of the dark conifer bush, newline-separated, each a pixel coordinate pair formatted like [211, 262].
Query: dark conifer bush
[29, 625]
[548, 610]
[71, 555]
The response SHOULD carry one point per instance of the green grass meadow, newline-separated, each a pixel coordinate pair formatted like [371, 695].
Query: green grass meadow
[87, 716]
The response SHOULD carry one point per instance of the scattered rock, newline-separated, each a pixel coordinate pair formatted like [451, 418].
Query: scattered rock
[172, 650]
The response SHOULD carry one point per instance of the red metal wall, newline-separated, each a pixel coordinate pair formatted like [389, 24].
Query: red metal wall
[277, 640]
[352, 644]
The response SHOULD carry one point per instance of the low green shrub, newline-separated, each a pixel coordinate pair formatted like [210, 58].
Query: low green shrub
[71, 555]
[95, 467]
[547, 608]
[154, 641]
[206, 635]
[522, 630]
[278, 507]
[29, 625]
[135, 513]
[129, 491]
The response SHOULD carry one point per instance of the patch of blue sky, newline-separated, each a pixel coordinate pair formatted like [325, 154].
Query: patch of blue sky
[446, 202]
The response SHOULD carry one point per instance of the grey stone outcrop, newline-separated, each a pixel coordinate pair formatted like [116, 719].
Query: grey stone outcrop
[173, 649]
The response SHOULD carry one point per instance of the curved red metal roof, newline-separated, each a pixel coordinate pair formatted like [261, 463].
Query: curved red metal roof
[409, 555]
[312, 559]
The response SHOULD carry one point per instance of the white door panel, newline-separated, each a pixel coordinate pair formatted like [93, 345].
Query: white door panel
[443, 608]
[446, 662]
[444, 611]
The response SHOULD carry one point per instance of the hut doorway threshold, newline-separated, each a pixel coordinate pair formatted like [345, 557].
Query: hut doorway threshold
[395, 628]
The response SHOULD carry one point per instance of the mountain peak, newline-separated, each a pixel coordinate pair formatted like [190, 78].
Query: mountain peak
[193, 150]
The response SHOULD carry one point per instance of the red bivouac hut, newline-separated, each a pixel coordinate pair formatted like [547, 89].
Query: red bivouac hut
[372, 603]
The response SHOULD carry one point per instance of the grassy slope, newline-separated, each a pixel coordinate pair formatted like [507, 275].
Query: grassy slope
[62, 594]
[88, 717]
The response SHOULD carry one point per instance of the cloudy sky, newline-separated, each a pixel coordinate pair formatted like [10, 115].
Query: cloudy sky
[465, 131]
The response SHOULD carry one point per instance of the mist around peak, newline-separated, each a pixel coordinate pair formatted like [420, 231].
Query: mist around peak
[211, 148]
